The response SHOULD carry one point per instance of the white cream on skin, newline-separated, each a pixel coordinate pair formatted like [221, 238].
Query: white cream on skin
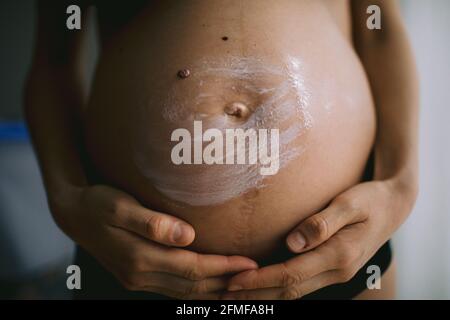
[277, 97]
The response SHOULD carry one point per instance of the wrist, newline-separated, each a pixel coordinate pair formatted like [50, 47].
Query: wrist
[400, 172]
[403, 192]
[406, 185]
[63, 202]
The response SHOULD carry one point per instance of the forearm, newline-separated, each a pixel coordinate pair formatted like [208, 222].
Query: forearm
[54, 97]
[395, 90]
[389, 63]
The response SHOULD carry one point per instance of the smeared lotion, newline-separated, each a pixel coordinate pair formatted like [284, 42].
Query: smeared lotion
[266, 103]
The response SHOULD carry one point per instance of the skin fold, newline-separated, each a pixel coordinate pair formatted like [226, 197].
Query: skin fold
[314, 204]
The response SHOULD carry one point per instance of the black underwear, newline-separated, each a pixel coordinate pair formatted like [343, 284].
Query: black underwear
[97, 283]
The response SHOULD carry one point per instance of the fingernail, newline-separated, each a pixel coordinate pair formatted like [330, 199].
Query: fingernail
[296, 241]
[179, 232]
[235, 287]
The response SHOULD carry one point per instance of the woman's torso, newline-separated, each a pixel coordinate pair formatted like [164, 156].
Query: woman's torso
[291, 63]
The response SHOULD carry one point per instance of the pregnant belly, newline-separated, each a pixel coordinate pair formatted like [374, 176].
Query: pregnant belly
[243, 145]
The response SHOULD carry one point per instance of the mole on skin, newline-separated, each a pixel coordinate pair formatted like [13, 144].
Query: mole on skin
[184, 73]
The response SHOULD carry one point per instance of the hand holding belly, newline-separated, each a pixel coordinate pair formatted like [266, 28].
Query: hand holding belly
[332, 244]
[126, 239]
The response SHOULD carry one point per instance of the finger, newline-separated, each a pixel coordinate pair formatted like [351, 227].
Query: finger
[195, 266]
[258, 294]
[320, 227]
[290, 293]
[178, 295]
[181, 285]
[286, 274]
[159, 227]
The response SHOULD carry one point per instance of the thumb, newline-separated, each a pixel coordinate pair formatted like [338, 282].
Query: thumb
[318, 228]
[156, 226]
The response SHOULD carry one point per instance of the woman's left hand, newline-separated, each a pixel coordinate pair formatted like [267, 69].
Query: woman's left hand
[332, 244]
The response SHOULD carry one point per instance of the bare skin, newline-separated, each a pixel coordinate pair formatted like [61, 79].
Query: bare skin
[336, 147]
[132, 242]
[358, 220]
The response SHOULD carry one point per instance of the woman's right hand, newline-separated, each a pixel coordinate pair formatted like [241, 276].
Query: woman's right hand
[139, 246]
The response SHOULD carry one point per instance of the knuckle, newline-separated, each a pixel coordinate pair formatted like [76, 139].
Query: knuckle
[138, 267]
[227, 264]
[347, 256]
[346, 275]
[129, 281]
[118, 205]
[199, 287]
[154, 225]
[117, 209]
[193, 273]
[136, 263]
[290, 278]
[291, 293]
[318, 228]
[349, 204]
[343, 200]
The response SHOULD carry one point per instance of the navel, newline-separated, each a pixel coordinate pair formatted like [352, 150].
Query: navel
[238, 110]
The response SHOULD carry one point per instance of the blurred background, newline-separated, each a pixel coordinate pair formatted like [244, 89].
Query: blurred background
[34, 254]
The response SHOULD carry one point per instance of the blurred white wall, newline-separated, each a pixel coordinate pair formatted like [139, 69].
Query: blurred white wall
[422, 245]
